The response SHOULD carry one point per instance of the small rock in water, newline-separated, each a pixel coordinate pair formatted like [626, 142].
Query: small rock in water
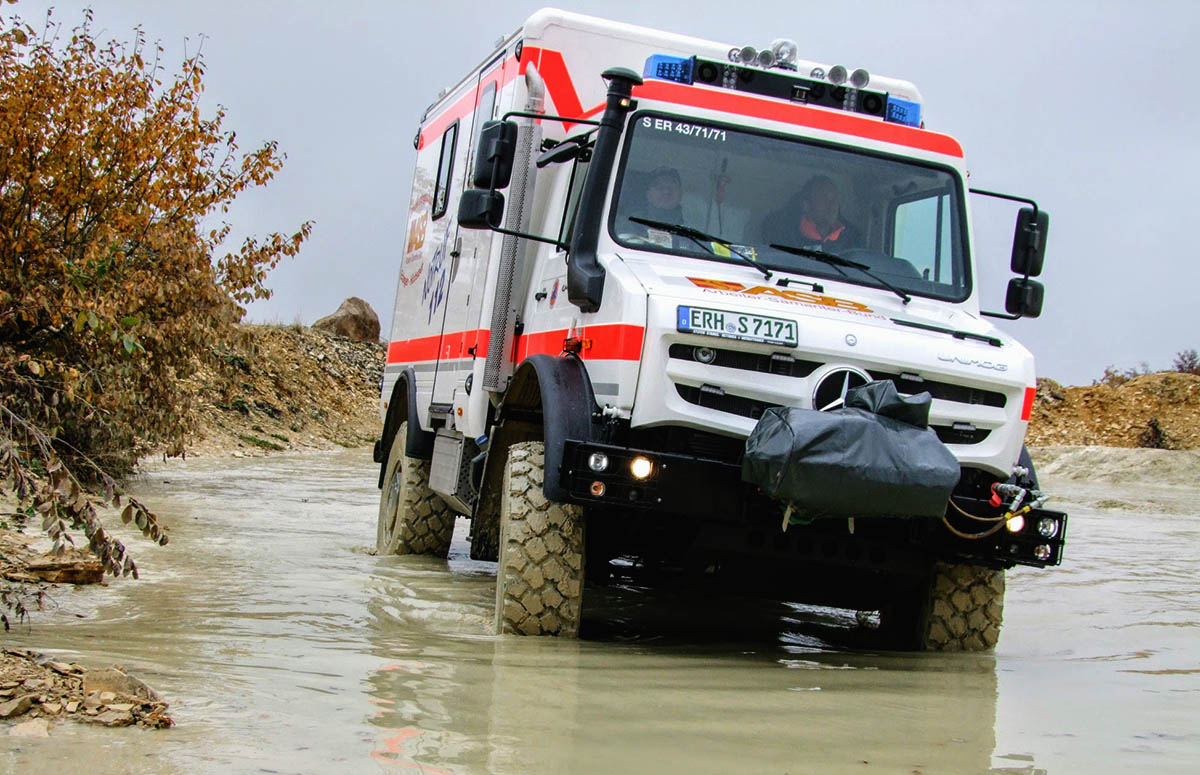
[72, 706]
[16, 707]
[113, 718]
[107, 697]
[38, 727]
[117, 682]
[122, 707]
[92, 701]
[53, 708]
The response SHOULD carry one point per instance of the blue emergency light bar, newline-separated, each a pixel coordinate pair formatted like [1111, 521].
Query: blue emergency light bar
[805, 91]
[669, 68]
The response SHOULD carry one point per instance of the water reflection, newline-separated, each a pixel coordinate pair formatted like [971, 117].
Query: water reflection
[665, 684]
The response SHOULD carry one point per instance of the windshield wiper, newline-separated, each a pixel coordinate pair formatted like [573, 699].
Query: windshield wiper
[837, 262]
[700, 238]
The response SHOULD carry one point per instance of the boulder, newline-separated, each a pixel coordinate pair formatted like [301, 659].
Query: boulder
[354, 319]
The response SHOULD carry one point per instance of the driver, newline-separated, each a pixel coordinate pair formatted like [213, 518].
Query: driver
[664, 196]
[820, 214]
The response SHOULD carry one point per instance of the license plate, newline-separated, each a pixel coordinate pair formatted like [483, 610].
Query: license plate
[737, 325]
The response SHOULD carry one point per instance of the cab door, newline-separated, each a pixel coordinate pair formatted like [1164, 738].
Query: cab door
[463, 264]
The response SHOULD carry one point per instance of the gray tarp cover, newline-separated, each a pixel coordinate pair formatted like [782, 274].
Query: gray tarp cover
[875, 456]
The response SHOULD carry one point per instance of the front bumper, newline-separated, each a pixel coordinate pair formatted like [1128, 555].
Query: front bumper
[712, 491]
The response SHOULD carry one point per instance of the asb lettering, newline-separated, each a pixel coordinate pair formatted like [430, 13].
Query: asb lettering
[802, 297]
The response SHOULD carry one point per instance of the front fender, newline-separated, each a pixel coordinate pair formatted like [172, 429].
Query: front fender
[558, 389]
[403, 406]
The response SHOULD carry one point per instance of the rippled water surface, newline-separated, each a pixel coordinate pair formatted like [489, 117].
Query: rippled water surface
[285, 647]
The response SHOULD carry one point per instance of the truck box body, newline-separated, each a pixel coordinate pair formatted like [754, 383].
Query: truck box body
[688, 340]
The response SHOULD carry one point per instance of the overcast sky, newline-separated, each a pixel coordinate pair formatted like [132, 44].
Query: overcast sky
[1084, 106]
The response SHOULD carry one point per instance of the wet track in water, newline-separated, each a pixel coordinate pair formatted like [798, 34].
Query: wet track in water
[285, 647]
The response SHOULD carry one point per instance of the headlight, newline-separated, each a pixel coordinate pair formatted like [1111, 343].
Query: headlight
[1015, 524]
[641, 467]
[598, 462]
[1047, 527]
[1042, 552]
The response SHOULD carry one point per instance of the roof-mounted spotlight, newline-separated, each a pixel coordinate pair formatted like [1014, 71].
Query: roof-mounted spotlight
[860, 78]
[786, 52]
[837, 75]
[765, 58]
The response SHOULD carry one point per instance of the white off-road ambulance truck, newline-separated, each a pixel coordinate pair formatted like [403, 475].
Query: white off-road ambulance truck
[707, 314]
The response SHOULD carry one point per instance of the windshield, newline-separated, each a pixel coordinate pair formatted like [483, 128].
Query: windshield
[900, 220]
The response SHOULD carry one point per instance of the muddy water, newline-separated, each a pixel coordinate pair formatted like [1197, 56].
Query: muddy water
[285, 647]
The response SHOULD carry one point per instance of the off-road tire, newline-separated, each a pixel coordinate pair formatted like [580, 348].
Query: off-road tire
[539, 576]
[485, 528]
[412, 518]
[962, 609]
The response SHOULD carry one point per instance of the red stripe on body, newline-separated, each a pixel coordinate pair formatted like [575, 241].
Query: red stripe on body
[1027, 406]
[413, 350]
[553, 69]
[465, 105]
[800, 115]
[550, 65]
[432, 348]
[609, 342]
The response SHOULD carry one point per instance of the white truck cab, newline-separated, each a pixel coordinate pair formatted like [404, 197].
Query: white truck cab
[634, 262]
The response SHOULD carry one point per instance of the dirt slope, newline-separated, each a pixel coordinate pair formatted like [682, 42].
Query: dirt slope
[1160, 410]
[290, 387]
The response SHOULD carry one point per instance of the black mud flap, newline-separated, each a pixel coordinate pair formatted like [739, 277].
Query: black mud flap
[876, 456]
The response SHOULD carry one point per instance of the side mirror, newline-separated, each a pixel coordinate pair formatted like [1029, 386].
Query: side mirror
[1024, 297]
[494, 161]
[564, 151]
[480, 209]
[1029, 243]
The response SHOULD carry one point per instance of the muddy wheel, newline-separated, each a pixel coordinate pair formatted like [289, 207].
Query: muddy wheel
[485, 528]
[412, 519]
[960, 608]
[539, 578]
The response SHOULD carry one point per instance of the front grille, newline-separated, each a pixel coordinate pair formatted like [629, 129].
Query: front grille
[689, 441]
[946, 391]
[712, 397]
[715, 398]
[951, 435]
[765, 363]
[786, 365]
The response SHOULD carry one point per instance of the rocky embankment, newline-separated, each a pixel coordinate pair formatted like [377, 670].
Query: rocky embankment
[290, 387]
[1159, 411]
[39, 690]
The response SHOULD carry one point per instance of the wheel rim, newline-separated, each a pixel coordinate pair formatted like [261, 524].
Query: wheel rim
[392, 508]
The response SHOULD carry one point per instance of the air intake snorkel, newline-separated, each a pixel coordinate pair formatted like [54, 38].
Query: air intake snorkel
[585, 276]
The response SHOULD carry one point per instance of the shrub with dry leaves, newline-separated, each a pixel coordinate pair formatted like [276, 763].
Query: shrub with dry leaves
[113, 285]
